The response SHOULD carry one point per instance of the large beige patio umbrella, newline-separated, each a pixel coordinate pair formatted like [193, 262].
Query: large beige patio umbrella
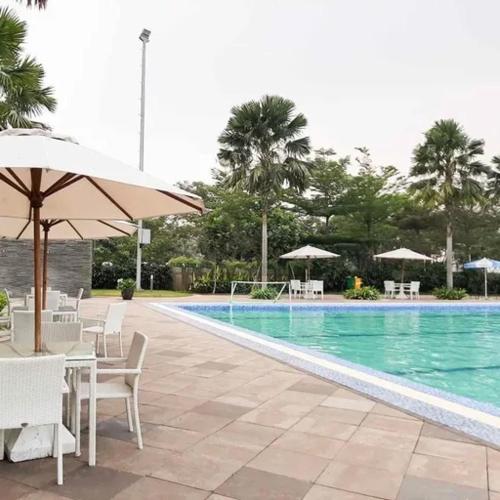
[61, 229]
[402, 254]
[308, 253]
[44, 176]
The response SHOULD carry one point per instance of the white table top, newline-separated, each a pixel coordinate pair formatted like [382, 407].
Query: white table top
[74, 351]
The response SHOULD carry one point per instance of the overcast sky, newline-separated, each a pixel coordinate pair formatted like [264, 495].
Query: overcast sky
[373, 73]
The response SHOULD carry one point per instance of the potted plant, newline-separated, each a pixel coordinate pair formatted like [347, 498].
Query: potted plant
[127, 287]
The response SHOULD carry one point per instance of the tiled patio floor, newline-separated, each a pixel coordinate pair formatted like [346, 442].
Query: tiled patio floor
[222, 422]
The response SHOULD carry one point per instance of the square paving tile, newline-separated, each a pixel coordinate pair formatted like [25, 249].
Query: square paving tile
[310, 444]
[252, 436]
[325, 426]
[172, 438]
[415, 488]
[389, 411]
[384, 439]
[44, 495]
[173, 354]
[452, 471]
[253, 484]
[437, 431]
[214, 365]
[94, 483]
[289, 463]
[199, 422]
[364, 480]
[393, 424]
[454, 450]
[314, 387]
[221, 409]
[149, 488]
[339, 415]
[12, 490]
[271, 418]
[318, 492]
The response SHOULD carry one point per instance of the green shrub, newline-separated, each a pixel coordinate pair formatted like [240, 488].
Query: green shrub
[444, 293]
[3, 302]
[264, 293]
[125, 284]
[363, 293]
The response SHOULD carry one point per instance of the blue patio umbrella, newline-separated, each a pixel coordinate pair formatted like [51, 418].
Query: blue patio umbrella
[488, 265]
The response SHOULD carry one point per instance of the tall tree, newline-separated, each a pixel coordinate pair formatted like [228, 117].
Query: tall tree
[23, 96]
[262, 152]
[449, 176]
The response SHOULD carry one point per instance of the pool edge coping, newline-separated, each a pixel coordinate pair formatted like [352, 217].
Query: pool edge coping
[465, 415]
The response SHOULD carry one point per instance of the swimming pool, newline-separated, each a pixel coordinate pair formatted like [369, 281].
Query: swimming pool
[451, 348]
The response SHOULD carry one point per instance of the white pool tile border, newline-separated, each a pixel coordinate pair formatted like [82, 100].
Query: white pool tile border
[427, 402]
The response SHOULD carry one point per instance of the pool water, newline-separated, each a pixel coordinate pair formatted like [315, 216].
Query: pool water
[456, 349]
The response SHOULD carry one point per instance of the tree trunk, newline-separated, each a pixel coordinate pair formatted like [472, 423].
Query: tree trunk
[449, 255]
[264, 246]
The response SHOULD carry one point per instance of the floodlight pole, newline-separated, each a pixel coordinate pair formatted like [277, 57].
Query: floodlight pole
[144, 38]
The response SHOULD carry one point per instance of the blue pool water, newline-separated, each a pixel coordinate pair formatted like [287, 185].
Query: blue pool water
[456, 349]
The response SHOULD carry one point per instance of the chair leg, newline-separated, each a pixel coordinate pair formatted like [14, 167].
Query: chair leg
[105, 345]
[58, 437]
[137, 422]
[121, 344]
[129, 415]
[97, 344]
[2, 443]
[78, 418]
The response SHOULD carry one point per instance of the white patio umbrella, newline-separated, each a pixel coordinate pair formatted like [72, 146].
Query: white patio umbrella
[402, 254]
[44, 176]
[488, 265]
[60, 229]
[308, 253]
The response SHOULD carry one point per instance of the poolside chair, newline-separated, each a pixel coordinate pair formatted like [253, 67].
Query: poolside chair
[128, 389]
[61, 332]
[23, 325]
[414, 290]
[317, 288]
[52, 303]
[30, 395]
[110, 325]
[295, 288]
[389, 289]
[75, 307]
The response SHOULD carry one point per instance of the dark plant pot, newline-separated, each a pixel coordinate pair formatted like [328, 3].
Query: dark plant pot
[127, 294]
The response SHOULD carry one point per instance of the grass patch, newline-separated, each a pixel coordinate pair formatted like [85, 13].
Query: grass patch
[140, 293]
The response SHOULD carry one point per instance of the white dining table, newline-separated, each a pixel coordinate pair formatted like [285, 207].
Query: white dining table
[79, 355]
[402, 287]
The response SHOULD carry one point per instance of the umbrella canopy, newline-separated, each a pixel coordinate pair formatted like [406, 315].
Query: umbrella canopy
[402, 254]
[489, 265]
[44, 176]
[308, 253]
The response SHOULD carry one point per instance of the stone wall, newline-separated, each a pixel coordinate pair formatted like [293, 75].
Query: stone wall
[70, 266]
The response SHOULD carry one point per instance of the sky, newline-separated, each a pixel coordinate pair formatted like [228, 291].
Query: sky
[374, 73]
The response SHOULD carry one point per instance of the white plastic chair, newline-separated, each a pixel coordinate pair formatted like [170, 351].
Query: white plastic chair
[76, 306]
[295, 287]
[23, 325]
[389, 289]
[61, 332]
[30, 395]
[110, 325]
[317, 288]
[128, 389]
[414, 290]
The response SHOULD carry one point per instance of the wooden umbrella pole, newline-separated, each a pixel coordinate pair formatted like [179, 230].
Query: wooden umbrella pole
[36, 203]
[45, 260]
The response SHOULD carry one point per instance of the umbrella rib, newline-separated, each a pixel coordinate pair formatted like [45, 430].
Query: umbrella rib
[113, 227]
[12, 184]
[18, 179]
[182, 200]
[75, 229]
[109, 197]
[62, 184]
[23, 229]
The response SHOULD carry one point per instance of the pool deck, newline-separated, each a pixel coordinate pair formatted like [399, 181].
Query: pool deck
[223, 422]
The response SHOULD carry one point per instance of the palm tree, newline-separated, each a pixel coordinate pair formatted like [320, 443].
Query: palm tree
[22, 94]
[41, 4]
[263, 152]
[449, 176]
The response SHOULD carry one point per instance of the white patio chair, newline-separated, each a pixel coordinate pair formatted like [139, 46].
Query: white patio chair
[32, 291]
[30, 395]
[110, 325]
[389, 289]
[317, 288]
[128, 389]
[295, 288]
[61, 332]
[52, 303]
[414, 290]
[23, 325]
[75, 307]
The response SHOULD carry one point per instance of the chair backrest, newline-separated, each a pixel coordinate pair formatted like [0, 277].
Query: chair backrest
[31, 391]
[114, 317]
[61, 332]
[33, 290]
[53, 300]
[23, 325]
[389, 286]
[295, 284]
[414, 286]
[317, 285]
[136, 355]
[79, 295]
